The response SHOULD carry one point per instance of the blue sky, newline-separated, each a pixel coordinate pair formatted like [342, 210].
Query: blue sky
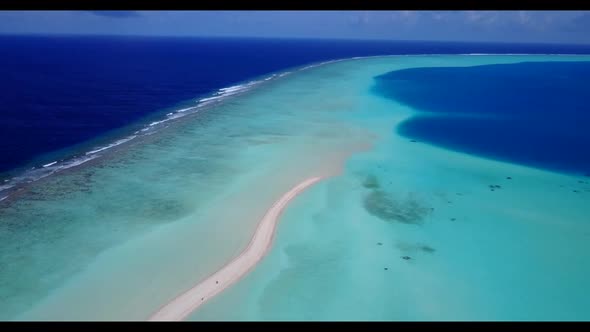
[508, 26]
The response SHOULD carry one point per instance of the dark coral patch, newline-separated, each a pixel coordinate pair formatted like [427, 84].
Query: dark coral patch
[384, 206]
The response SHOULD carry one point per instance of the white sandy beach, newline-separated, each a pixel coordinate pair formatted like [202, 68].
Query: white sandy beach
[187, 302]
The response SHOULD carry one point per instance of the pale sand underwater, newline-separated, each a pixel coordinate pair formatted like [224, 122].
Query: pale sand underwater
[158, 218]
[190, 300]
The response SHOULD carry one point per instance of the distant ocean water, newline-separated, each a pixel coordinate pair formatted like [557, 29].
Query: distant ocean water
[60, 93]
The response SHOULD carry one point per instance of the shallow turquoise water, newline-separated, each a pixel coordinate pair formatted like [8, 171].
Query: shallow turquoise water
[131, 231]
[519, 252]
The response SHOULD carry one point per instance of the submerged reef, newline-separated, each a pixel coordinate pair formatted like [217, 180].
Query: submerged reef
[388, 208]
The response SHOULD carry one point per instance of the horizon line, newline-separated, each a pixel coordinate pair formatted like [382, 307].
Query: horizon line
[34, 34]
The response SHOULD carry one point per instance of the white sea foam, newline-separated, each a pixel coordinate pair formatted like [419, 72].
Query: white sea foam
[201, 104]
[6, 187]
[77, 162]
[183, 110]
[270, 77]
[155, 123]
[50, 164]
[229, 91]
[176, 116]
[169, 116]
[232, 89]
[322, 63]
[208, 99]
[118, 142]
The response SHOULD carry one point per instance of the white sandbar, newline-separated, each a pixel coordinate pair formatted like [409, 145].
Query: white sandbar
[185, 303]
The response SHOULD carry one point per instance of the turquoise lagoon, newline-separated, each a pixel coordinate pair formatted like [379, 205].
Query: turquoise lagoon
[405, 231]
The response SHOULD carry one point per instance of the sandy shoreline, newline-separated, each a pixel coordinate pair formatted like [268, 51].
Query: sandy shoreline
[184, 304]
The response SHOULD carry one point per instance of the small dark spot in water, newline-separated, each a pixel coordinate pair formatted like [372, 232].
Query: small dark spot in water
[385, 269]
[508, 178]
[413, 140]
[427, 249]
[406, 257]
[576, 191]
[453, 219]
[449, 202]
[492, 189]
[379, 243]
[412, 248]
[216, 281]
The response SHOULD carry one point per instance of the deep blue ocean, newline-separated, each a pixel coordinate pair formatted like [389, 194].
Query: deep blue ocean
[61, 91]
[531, 113]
